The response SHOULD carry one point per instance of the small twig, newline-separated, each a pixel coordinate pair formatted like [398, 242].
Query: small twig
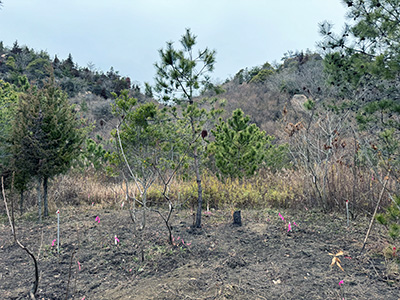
[373, 266]
[377, 274]
[69, 274]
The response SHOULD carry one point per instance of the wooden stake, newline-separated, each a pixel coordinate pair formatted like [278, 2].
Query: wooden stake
[58, 231]
[376, 209]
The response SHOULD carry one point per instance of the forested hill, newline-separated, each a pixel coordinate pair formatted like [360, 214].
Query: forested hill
[262, 91]
[19, 61]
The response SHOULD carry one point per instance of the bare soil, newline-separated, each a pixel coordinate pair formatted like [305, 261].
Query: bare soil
[259, 260]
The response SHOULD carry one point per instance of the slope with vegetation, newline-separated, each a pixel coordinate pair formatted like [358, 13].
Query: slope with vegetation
[319, 132]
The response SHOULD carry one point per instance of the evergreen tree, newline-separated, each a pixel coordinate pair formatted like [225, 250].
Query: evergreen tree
[47, 136]
[239, 146]
[8, 102]
[9, 95]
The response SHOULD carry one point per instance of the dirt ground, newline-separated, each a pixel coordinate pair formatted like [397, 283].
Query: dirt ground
[259, 260]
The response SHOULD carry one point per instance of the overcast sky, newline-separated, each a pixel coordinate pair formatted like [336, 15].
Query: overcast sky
[126, 34]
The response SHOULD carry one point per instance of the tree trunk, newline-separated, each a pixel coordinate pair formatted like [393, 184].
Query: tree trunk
[45, 202]
[200, 191]
[21, 202]
[144, 199]
[39, 196]
[197, 170]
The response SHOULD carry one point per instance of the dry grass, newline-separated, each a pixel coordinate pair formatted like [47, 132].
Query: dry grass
[285, 189]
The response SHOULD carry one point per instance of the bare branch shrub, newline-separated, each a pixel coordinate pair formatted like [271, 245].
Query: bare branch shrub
[35, 284]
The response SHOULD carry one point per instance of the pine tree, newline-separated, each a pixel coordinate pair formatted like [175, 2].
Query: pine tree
[363, 62]
[180, 78]
[239, 146]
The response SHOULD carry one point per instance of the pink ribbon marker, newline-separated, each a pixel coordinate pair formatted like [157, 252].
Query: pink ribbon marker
[52, 244]
[340, 282]
[97, 219]
[116, 240]
[289, 227]
[283, 219]
[294, 223]
[79, 265]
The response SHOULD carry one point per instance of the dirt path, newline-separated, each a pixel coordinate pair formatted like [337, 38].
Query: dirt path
[259, 260]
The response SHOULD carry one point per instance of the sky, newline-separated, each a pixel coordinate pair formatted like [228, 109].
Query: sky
[127, 34]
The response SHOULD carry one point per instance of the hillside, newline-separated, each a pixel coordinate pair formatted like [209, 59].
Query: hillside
[265, 92]
[261, 92]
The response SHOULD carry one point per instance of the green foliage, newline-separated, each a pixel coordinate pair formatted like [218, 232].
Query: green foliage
[84, 106]
[394, 230]
[239, 146]
[181, 76]
[391, 218]
[38, 67]
[144, 143]
[146, 136]
[381, 219]
[11, 63]
[375, 52]
[255, 74]
[94, 154]
[277, 156]
[363, 63]
[47, 133]
[262, 76]
[309, 104]
[8, 103]
[375, 32]
[46, 138]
